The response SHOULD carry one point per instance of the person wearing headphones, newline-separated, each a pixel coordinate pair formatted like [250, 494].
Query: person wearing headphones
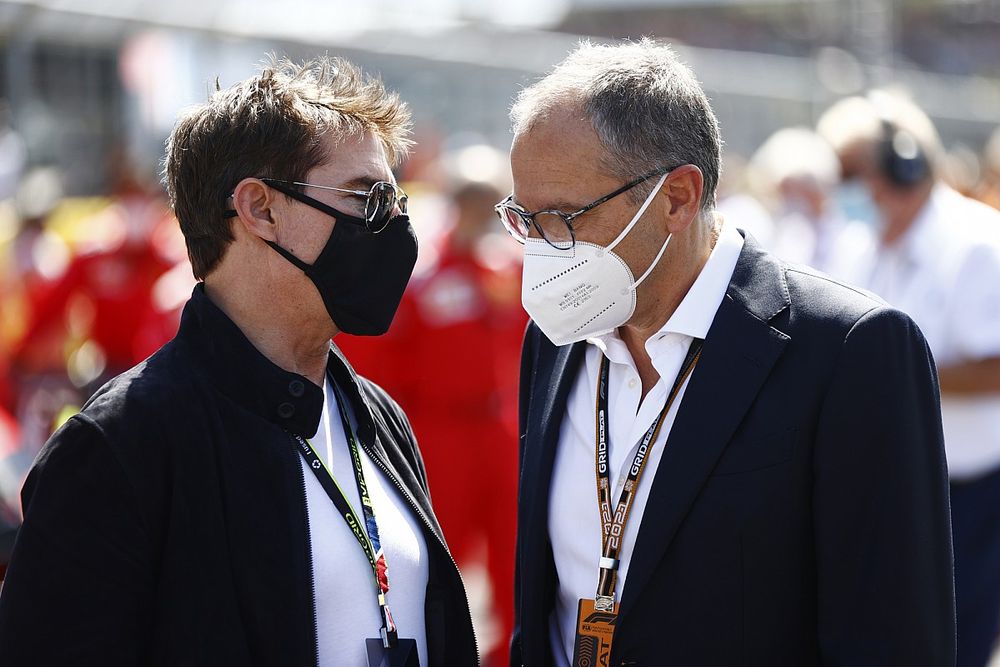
[938, 259]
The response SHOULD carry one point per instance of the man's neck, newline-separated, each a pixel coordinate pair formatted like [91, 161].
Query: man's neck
[666, 295]
[293, 345]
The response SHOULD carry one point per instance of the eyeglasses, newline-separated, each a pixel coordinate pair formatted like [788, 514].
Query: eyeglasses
[380, 202]
[556, 227]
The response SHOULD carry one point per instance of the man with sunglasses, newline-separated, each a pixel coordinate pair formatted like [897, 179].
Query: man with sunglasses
[243, 497]
[725, 460]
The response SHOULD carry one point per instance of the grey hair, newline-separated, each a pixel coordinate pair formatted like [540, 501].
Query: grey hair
[646, 106]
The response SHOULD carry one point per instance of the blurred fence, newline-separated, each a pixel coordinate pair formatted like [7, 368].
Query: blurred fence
[83, 78]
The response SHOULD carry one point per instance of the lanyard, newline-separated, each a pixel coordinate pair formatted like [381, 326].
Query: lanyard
[368, 537]
[613, 524]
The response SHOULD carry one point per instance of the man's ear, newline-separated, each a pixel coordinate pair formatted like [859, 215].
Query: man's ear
[254, 203]
[682, 190]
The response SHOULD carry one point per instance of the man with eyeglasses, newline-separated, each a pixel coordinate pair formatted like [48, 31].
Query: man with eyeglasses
[725, 460]
[242, 496]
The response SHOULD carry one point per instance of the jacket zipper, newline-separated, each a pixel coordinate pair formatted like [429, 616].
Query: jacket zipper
[309, 556]
[419, 512]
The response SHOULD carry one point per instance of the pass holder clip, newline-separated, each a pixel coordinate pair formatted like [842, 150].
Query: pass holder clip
[388, 631]
[389, 639]
[605, 603]
[390, 650]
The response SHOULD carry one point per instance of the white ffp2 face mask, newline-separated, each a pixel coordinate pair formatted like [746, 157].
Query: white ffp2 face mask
[583, 291]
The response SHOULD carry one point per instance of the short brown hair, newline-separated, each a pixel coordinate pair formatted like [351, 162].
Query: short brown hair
[270, 125]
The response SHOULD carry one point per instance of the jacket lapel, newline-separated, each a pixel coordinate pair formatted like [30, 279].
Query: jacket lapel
[740, 349]
[548, 407]
[550, 390]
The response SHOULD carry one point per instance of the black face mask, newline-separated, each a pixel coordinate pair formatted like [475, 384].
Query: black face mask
[360, 275]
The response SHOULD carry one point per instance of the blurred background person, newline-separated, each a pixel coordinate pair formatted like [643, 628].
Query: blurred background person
[451, 360]
[108, 284]
[938, 259]
[740, 198]
[961, 169]
[32, 258]
[988, 189]
[83, 298]
[87, 309]
[800, 173]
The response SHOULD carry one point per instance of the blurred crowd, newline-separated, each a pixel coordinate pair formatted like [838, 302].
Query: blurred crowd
[90, 286]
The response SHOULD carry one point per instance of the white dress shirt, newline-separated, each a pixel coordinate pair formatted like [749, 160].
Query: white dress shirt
[945, 274]
[347, 611]
[574, 523]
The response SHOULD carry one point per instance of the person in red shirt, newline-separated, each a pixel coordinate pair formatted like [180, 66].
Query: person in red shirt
[105, 295]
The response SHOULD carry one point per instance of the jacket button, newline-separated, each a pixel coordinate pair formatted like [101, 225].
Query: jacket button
[286, 410]
[296, 388]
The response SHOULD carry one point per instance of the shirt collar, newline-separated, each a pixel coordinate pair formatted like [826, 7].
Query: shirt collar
[696, 311]
[230, 362]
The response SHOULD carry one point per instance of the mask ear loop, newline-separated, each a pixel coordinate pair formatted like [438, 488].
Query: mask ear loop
[642, 209]
[629, 226]
[656, 261]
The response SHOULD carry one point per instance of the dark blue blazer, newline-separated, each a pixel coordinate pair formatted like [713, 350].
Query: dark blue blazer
[799, 515]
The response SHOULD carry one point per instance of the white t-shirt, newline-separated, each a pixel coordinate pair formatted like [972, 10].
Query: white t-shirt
[945, 274]
[347, 610]
[574, 523]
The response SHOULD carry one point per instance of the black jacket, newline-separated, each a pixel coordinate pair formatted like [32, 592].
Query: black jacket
[799, 513]
[166, 523]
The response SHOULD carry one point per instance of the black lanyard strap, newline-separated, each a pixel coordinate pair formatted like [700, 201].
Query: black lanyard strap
[613, 523]
[365, 530]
